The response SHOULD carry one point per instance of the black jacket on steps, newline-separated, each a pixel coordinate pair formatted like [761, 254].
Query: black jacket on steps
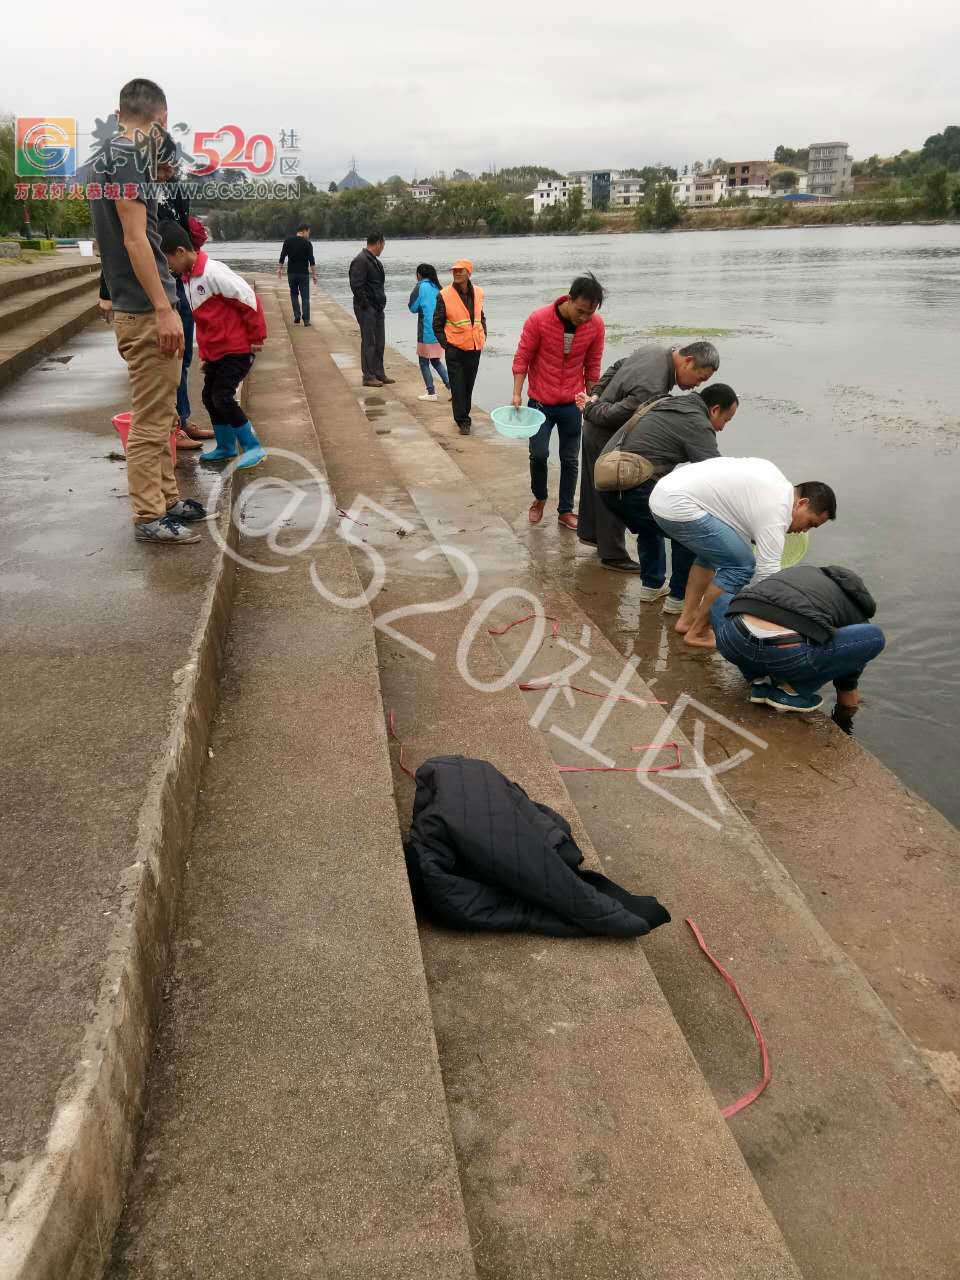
[483, 855]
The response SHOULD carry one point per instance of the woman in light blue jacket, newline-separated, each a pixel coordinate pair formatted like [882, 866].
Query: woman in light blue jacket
[423, 303]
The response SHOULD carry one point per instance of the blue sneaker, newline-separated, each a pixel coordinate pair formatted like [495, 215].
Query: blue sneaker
[759, 689]
[780, 700]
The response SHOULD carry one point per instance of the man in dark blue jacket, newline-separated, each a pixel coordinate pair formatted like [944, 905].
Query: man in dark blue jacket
[792, 632]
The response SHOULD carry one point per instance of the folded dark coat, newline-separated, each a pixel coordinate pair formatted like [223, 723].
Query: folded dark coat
[483, 855]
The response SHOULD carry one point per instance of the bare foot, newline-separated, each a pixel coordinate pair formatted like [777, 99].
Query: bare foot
[682, 627]
[701, 639]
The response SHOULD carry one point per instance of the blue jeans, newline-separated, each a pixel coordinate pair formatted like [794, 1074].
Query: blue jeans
[716, 546]
[441, 369]
[566, 418]
[806, 666]
[300, 296]
[633, 508]
[186, 317]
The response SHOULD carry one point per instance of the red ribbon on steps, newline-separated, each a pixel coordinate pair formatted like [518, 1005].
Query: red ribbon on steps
[767, 1075]
[502, 631]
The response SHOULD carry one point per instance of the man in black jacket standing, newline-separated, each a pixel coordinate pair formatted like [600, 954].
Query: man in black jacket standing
[792, 632]
[297, 251]
[369, 302]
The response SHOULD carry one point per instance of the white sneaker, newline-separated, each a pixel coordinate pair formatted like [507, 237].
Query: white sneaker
[672, 605]
[428, 395]
[649, 594]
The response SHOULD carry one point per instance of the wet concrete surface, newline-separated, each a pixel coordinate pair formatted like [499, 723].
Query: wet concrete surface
[852, 1108]
[878, 865]
[92, 630]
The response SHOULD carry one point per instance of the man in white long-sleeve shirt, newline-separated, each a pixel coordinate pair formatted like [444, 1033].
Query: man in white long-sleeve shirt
[717, 508]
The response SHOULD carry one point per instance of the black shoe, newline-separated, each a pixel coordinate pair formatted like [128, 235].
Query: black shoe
[386, 381]
[589, 542]
[296, 319]
[621, 566]
[464, 428]
[187, 511]
[306, 324]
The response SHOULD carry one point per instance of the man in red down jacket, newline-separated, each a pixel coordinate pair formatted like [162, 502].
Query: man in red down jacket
[561, 352]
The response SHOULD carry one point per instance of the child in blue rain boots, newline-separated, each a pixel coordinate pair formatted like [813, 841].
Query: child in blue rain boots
[230, 328]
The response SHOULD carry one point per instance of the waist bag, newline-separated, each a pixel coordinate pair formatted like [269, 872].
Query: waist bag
[618, 468]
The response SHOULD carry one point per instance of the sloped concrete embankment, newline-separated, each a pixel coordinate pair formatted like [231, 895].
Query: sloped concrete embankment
[113, 653]
[852, 1145]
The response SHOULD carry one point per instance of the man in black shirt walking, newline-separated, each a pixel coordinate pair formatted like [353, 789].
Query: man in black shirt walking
[298, 253]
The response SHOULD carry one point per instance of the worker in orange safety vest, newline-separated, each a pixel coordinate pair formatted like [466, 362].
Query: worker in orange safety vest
[461, 327]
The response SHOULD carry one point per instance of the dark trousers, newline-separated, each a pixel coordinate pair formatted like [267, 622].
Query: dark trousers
[632, 506]
[220, 381]
[462, 369]
[566, 418]
[596, 522]
[372, 341]
[300, 295]
[805, 665]
[186, 317]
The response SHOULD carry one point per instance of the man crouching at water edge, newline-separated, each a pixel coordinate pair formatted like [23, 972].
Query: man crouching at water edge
[792, 632]
[561, 351]
[648, 374]
[716, 509]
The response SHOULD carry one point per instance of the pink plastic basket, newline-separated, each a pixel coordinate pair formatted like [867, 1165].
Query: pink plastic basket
[121, 423]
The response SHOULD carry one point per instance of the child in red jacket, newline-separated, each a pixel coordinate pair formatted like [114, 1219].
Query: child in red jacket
[230, 328]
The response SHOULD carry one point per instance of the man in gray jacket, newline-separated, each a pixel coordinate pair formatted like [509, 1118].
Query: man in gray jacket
[676, 430]
[648, 374]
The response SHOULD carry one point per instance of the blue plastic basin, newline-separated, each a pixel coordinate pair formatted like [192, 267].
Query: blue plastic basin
[518, 424]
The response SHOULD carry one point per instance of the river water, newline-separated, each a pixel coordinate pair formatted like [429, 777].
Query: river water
[842, 343]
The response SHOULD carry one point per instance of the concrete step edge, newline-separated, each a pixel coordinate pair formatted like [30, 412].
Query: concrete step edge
[59, 1219]
[24, 307]
[63, 322]
[40, 279]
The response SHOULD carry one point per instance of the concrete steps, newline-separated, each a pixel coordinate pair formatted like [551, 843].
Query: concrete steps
[40, 309]
[298, 1122]
[855, 1147]
[20, 307]
[543, 1042]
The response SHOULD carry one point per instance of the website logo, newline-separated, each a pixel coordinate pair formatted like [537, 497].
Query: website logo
[46, 148]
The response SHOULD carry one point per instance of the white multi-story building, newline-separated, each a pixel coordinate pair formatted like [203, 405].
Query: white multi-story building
[695, 190]
[420, 191]
[601, 189]
[552, 191]
[625, 192]
[830, 169]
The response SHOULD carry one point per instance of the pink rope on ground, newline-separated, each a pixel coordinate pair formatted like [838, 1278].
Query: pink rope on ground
[767, 1073]
[502, 631]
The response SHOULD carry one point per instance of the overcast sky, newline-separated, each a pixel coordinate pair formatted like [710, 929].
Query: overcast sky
[409, 88]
